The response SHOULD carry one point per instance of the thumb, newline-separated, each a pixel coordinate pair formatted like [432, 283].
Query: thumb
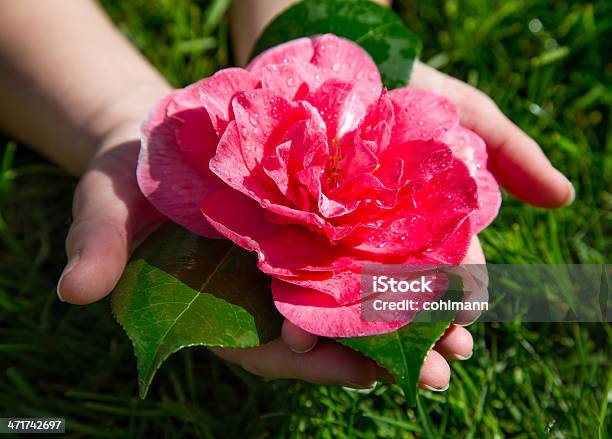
[109, 214]
[298, 340]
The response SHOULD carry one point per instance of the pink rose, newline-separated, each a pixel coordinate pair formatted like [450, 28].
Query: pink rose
[306, 160]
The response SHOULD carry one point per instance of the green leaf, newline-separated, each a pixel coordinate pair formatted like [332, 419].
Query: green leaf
[401, 352]
[377, 29]
[182, 290]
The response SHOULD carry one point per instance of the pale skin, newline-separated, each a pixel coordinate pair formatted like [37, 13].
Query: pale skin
[74, 88]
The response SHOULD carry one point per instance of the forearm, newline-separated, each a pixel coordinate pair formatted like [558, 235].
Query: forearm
[250, 17]
[68, 79]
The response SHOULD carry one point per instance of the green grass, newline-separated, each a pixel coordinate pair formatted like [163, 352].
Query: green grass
[548, 66]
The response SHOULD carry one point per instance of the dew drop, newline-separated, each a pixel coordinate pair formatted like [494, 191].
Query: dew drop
[336, 67]
[290, 81]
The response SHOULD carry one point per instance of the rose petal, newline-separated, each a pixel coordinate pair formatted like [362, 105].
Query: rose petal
[301, 48]
[320, 314]
[281, 249]
[290, 78]
[343, 286]
[454, 248]
[377, 123]
[468, 146]
[438, 203]
[350, 63]
[340, 107]
[229, 165]
[216, 93]
[259, 114]
[172, 182]
[421, 114]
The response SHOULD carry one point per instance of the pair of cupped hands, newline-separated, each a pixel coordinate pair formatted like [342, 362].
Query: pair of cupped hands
[111, 217]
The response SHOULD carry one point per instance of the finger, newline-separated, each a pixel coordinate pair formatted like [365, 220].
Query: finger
[106, 204]
[298, 340]
[327, 363]
[475, 278]
[515, 159]
[435, 373]
[456, 344]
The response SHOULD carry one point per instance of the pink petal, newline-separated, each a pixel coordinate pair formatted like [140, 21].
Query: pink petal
[350, 63]
[335, 57]
[343, 286]
[258, 115]
[421, 114]
[454, 248]
[229, 165]
[171, 179]
[303, 150]
[339, 105]
[275, 166]
[281, 249]
[290, 78]
[489, 200]
[301, 49]
[468, 146]
[377, 123]
[440, 200]
[215, 94]
[368, 187]
[318, 313]
[358, 159]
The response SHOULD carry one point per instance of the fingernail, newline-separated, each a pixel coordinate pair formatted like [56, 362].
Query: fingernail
[356, 385]
[463, 358]
[434, 389]
[360, 387]
[466, 323]
[297, 351]
[71, 264]
[571, 195]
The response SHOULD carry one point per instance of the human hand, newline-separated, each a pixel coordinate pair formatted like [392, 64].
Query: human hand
[516, 160]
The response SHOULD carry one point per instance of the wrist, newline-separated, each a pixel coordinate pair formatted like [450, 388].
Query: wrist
[120, 120]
